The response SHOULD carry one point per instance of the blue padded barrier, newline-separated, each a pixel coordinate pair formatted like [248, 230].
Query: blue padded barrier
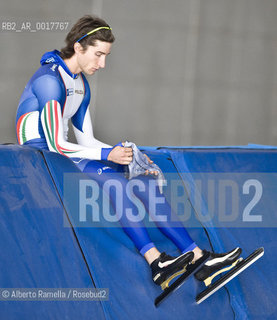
[41, 245]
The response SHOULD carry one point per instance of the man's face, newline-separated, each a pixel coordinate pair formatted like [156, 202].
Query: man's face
[94, 57]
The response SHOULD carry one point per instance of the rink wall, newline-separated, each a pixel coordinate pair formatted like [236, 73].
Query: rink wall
[42, 246]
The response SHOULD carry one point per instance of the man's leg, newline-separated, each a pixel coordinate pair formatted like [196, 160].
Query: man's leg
[162, 265]
[164, 216]
[102, 172]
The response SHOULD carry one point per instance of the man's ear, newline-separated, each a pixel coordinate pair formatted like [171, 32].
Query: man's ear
[77, 47]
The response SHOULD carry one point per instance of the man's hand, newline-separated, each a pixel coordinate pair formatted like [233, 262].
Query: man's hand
[121, 155]
[155, 172]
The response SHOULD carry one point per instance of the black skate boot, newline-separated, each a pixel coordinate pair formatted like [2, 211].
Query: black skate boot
[166, 266]
[236, 265]
[216, 262]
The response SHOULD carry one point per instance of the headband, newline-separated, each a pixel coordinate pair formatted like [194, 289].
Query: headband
[92, 31]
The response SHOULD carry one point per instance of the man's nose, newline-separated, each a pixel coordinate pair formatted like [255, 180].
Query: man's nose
[102, 62]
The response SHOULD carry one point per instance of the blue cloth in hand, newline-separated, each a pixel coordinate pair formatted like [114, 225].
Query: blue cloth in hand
[140, 164]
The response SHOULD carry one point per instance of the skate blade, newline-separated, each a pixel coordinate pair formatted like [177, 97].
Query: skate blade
[209, 280]
[165, 284]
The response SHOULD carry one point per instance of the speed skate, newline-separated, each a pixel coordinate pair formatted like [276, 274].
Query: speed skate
[178, 279]
[232, 270]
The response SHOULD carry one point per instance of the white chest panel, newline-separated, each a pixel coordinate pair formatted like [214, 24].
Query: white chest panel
[75, 90]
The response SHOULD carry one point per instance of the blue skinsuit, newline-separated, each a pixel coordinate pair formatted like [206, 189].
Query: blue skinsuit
[52, 97]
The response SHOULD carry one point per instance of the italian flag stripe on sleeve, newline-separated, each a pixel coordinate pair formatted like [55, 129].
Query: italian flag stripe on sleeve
[51, 120]
[21, 128]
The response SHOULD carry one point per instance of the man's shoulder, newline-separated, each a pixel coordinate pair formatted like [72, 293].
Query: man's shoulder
[50, 69]
[47, 72]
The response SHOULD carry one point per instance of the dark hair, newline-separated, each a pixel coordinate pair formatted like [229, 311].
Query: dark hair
[82, 27]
